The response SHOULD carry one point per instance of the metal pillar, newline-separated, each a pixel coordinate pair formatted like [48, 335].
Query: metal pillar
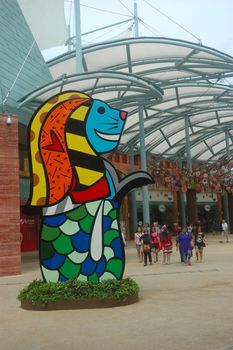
[79, 63]
[136, 30]
[182, 202]
[187, 143]
[225, 194]
[228, 153]
[145, 192]
[226, 208]
[134, 216]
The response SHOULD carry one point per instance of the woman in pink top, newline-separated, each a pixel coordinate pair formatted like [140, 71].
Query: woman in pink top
[155, 242]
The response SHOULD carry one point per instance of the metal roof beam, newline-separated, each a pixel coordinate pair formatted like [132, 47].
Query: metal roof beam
[179, 63]
[165, 138]
[129, 58]
[209, 148]
[217, 117]
[222, 151]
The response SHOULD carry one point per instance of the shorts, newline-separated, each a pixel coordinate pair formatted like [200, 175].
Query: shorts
[138, 247]
[155, 246]
[199, 248]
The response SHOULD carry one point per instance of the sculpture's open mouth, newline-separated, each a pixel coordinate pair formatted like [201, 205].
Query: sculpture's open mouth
[108, 137]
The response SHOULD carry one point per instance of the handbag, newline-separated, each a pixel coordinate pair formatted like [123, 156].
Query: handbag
[146, 248]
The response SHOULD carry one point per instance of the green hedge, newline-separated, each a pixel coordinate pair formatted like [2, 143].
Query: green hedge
[74, 290]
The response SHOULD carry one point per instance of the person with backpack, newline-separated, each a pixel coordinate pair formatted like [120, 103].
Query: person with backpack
[199, 244]
[145, 239]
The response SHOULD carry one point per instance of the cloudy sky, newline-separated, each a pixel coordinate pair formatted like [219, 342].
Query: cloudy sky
[207, 20]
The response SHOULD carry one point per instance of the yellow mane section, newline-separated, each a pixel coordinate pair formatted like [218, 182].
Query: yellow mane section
[39, 191]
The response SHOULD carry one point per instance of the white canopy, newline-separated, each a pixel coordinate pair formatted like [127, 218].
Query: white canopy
[191, 76]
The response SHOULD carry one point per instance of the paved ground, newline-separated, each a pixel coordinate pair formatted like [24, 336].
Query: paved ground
[183, 308]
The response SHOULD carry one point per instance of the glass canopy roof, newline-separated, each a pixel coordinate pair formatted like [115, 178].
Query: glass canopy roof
[132, 72]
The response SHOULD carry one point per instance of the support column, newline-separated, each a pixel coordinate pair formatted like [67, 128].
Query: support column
[136, 29]
[219, 208]
[182, 202]
[226, 208]
[225, 194]
[125, 217]
[133, 203]
[145, 192]
[175, 213]
[230, 206]
[187, 143]
[191, 193]
[79, 63]
[191, 206]
[10, 253]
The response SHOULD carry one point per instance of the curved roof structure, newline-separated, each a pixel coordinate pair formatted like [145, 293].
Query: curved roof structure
[191, 76]
[161, 59]
[118, 89]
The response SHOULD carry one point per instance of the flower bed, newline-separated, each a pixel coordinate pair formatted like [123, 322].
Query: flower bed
[73, 294]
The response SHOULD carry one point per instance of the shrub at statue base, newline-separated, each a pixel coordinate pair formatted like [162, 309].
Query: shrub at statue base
[74, 294]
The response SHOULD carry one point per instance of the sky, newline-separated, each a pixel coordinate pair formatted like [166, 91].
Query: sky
[207, 20]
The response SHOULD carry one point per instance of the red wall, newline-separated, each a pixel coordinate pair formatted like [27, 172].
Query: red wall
[10, 255]
[29, 228]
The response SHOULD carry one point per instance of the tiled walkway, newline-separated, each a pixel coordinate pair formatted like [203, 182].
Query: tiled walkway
[180, 308]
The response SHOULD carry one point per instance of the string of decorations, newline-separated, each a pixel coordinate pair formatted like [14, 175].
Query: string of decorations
[215, 178]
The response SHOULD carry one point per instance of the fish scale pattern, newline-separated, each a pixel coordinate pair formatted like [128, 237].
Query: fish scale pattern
[65, 245]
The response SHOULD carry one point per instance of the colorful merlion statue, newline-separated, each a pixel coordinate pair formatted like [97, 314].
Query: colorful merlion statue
[78, 191]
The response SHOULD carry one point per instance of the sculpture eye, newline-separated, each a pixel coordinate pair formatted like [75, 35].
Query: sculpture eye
[101, 110]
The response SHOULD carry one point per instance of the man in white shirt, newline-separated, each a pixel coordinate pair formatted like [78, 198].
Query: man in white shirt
[224, 231]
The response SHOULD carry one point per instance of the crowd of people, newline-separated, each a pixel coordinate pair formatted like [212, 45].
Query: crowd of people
[150, 241]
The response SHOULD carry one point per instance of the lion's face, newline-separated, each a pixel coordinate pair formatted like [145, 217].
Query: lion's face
[104, 126]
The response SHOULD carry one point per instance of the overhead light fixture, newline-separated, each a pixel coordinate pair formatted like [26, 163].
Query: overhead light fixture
[8, 120]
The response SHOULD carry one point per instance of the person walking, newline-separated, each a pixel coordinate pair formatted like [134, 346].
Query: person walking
[145, 238]
[185, 245]
[166, 245]
[138, 243]
[147, 228]
[155, 243]
[199, 244]
[224, 229]
[178, 247]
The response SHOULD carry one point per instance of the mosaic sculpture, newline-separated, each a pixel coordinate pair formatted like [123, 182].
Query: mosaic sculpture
[79, 192]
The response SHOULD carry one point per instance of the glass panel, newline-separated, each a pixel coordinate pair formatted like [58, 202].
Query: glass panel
[168, 75]
[173, 126]
[155, 136]
[205, 156]
[177, 137]
[161, 147]
[225, 113]
[151, 122]
[174, 150]
[206, 55]
[67, 66]
[105, 57]
[226, 119]
[126, 137]
[197, 149]
[137, 69]
[157, 50]
[219, 146]
[199, 117]
[196, 129]
[208, 123]
[215, 139]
